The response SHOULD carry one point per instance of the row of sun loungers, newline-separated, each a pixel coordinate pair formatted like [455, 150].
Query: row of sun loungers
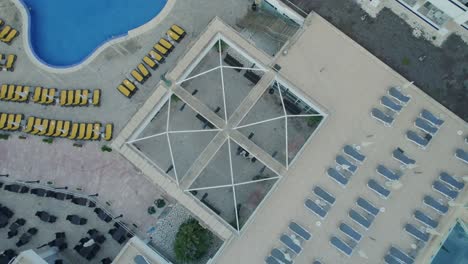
[67, 129]
[428, 124]
[10, 122]
[155, 57]
[79, 97]
[291, 242]
[55, 128]
[351, 236]
[345, 169]
[322, 204]
[47, 96]
[394, 103]
[14, 93]
[7, 33]
[447, 186]
[7, 62]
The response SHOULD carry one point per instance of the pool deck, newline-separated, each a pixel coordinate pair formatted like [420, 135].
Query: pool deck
[105, 71]
[112, 65]
[323, 63]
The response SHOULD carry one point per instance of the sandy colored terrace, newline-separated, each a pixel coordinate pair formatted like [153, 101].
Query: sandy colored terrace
[349, 82]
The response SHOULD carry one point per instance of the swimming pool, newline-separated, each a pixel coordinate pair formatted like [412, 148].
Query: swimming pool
[64, 33]
[453, 250]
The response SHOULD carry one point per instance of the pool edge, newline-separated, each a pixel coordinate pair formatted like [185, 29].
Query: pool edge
[97, 51]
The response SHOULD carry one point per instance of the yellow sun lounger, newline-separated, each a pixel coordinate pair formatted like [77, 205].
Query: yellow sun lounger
[18, 119]
[37, 124]
[108, 132]
[123, 90]
[156, 56]
[29, 124]
[162, 50]
[166, 44]
[96, 101]
[173, 35]
[11, 35]
[17, 94]
[70, 96]
[130, 86]
[13, 121]
[77, 99]
[9, 65]
[58, 128]
[150, 62]
[37, 94]
[73, 131]
[24, 95]
[4, 31]
[3, 120]
[44, 127]
[66, 129]
[63, 97]
[96, 131]
[89, 132]
[3, 91]
[51, 129]
[10, 93]
[180, 31]
[81, 131]
[9, 122]
[43, 99]
[143, 70]
[1, 22]
[137, 76]
[50, 99]
[84, 97]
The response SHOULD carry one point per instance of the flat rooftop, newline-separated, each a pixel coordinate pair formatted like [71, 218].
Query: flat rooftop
[348, 82]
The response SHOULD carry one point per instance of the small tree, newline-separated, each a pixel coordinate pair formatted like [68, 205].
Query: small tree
[151, 210]
[192, 241]
[160, 203]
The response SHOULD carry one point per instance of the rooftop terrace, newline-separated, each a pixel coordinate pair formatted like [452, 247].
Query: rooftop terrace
[322, 63]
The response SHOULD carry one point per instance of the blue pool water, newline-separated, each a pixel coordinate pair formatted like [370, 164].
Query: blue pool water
[455, 248]
[64, 32]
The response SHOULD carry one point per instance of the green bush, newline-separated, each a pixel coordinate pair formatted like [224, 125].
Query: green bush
[4, 136]
[192, 241]
[160, 203]
[405, 61]
[175, 98]
[151, 210]
[106, 149]
[48, 140]
[313, 120]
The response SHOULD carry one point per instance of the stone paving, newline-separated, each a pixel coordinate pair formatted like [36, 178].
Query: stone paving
[92, 171]
[26, 205]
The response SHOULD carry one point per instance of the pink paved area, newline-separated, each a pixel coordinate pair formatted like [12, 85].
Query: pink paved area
[87, 168]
